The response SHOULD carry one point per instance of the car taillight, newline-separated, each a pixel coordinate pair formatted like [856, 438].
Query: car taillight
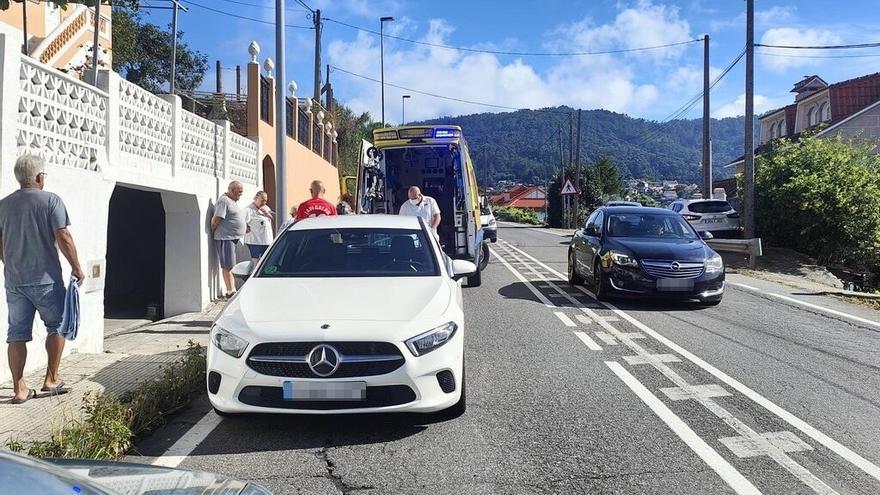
[733, 215]
[688, 216]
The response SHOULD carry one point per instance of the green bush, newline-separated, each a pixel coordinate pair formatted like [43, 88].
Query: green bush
[518, 215]
[821, 197]
[109, 424]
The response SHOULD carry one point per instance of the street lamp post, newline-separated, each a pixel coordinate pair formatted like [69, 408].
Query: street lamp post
[382, 21]
[403, 109]
[280, 109]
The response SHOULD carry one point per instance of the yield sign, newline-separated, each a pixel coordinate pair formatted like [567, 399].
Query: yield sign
[568, 188]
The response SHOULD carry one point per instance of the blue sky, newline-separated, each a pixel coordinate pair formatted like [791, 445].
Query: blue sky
[650, 84]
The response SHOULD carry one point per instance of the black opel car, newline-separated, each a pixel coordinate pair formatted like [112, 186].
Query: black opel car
[647, 252]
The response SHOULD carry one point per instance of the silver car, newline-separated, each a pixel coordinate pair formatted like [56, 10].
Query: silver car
[709, 215]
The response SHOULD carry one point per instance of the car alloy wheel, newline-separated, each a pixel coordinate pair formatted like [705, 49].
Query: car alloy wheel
[599, 283]
[574, 277]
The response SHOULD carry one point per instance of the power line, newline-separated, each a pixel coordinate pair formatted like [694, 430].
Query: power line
[306, 6]
[230, 14]
[434, 95]
[769, 54]
[822, 47]
[259, 6]
[525, 54]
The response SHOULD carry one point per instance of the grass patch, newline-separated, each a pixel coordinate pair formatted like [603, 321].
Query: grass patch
[109, 424]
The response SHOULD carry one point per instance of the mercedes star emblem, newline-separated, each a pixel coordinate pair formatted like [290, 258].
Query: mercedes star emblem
[323, 360]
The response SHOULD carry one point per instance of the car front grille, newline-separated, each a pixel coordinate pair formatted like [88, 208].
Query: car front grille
[289, 359]
[382, 396]
[673, 269]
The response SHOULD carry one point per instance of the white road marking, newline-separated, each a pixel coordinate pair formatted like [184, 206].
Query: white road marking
[694, 391]
[710, 456]
[841, 450]
[591, 344]
[651, 359]
[606, 337]
[583, 319]
[785, 441]
[186, 444]
[565, 319]
[522, 279]
[810, 305]
[779, 456]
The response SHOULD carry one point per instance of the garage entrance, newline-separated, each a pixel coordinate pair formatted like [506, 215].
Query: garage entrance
[135, 283]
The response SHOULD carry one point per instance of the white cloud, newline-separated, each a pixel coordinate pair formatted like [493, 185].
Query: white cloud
[363, 8]
[738, 106]
[603, 81]
[763, 19]
[781, 60]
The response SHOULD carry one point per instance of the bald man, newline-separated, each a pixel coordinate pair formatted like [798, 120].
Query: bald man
[422, 206]
[229, 226]
[317, 206]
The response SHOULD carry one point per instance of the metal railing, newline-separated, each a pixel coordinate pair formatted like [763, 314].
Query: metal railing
[751, 247]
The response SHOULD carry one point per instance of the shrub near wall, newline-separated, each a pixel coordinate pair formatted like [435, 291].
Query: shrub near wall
[517, 215]
[821, 197]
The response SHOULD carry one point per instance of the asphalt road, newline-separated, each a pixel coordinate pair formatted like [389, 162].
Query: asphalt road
[772, 391]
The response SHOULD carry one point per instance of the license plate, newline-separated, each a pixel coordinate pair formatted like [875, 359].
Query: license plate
[713, 220]
[674, 284]
[307, 391]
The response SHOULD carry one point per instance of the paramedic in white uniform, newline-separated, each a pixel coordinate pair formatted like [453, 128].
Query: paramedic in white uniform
[423, 206]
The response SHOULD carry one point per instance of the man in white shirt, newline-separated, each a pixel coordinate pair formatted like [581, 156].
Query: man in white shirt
[258, 217]
[422, 206]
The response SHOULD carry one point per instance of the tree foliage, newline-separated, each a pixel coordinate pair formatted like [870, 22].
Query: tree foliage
[598, 184]
[351, 129]
[142, 54]
[821, 197]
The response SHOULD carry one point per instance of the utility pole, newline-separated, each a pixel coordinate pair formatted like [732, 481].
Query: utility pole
[95, 46]
[317, 18]
[382, 21]
[219, 81]
[403, 109]
[748, 142]
[328, 88]
[570, 140]
[565, 215]
[577, 164]
[24, 29]
[707, 136]
[280, 110]
[173, 47]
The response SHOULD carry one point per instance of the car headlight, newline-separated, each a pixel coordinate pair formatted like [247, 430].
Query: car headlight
[228, 342]
[491, 221]
[623, 259]
[432, 339]
[714, 264]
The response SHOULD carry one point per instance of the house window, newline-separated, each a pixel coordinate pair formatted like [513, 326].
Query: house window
[824, 112]
[773, 131]
[814, 116]
[781, 130]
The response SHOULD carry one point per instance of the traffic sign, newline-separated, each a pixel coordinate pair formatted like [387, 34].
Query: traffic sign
[568, 188]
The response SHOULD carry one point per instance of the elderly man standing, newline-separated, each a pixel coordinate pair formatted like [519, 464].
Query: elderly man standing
[32, 221]
[422, 206]
[229, 226]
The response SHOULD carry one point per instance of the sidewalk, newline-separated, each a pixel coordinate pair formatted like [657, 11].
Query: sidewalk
[130, 357]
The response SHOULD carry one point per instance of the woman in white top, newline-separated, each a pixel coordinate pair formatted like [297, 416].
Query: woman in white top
[258, 217]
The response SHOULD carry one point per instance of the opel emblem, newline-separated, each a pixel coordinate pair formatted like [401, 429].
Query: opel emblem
[323, 360]
[675, 265]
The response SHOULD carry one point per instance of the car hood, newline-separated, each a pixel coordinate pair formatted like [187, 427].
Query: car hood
[264, 300]
[667, 249]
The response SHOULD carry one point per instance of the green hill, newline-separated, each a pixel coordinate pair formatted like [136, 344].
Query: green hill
[523, 145]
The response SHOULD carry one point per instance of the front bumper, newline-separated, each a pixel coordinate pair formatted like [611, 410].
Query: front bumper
[490, 234]
[635, 282]
[414, 387]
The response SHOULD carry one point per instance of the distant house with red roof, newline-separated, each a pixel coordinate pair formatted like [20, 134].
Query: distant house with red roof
[521, 196]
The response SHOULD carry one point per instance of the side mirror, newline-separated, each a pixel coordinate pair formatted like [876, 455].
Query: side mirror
[591, 231]
[243, 269]
[706, 235]
[462, 269]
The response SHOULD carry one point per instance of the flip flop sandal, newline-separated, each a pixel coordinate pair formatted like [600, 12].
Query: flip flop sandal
[32, 394]
[57, 389]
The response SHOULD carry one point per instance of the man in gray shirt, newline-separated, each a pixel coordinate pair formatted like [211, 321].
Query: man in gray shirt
[32, 221]
[229, 226]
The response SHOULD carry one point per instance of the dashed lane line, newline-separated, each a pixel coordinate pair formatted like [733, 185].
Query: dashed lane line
[841, 450]
[565, 319]
[588, 341]
[809, 305]
[739, 483]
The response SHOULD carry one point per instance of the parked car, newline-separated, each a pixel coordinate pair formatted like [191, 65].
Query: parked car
[645, 252]
[490, 226]
[26, 475]
[709, 215]
[623, 203]
[346, 314]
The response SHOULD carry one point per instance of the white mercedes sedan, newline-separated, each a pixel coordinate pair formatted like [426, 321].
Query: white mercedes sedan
[346, 314]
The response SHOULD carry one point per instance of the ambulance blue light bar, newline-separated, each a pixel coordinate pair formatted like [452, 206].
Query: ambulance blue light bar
[447, 133]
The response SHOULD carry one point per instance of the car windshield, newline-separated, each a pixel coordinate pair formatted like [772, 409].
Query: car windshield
[710, 207]
[485, 211]
[354, 252]
[650, 225]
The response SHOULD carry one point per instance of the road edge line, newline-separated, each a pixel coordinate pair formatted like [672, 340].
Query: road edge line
[185, 445]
